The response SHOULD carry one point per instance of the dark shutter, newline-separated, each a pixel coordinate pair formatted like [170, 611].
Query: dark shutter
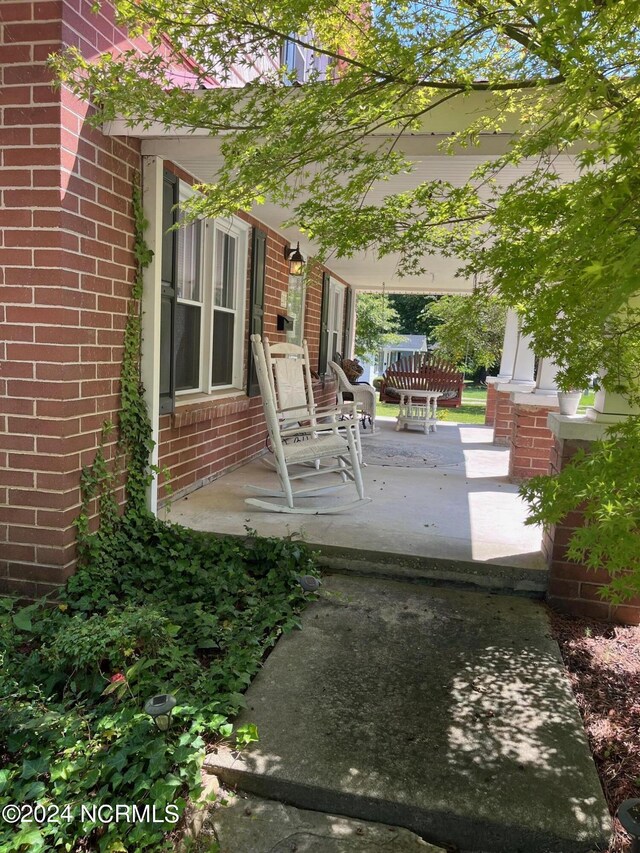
[256, 303]
[324, 325]
[168, 295]
[348, 326]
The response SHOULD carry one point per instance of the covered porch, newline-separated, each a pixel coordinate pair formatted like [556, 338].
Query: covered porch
[442, 506]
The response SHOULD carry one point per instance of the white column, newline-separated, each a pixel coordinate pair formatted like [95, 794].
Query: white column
[351, 343]
[152, 179]
[509, 346]
[546, 376]
[524, 363]
[609, 407]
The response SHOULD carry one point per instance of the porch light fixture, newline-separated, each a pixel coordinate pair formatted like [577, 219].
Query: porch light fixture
[295, 259]
[159, 708]
[629, 817]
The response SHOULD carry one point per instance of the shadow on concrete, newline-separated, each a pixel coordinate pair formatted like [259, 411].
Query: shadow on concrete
[442, 711]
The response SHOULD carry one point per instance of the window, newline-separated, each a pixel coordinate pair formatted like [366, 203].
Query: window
[295, 308]
[301, 63]
[189, 306]
[335, 324]
[204, 269]
[225, 308]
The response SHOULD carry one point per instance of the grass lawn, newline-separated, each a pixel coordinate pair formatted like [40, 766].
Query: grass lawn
[471, 411]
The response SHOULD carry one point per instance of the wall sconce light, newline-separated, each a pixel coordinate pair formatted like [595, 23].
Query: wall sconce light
[295, 259]
[159, 708]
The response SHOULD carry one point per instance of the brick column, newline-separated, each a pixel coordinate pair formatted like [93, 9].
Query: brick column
[573, 588]
[531, 439]
[492, 401]
[503, 422]
[66, 269]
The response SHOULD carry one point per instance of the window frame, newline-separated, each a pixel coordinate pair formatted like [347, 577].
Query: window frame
[239, 230]
[185, 192]
[336, 309]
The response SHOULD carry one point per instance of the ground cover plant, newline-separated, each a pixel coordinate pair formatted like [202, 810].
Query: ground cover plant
[157, 608]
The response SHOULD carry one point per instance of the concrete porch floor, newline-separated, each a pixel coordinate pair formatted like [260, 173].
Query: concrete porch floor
[444, 496]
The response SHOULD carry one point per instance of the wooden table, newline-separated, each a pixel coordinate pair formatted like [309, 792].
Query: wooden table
[418, 409]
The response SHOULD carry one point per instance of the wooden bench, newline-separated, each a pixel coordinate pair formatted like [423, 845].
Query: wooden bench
[420, 372]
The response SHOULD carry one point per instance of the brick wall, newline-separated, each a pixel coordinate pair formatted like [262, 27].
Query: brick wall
[66, 267]
[531, 442]
[572, 587]
[492, 400]
[503, 423]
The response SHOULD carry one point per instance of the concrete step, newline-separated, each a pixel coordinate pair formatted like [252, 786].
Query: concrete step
[443, 711]
[487, 577]
[255, 825]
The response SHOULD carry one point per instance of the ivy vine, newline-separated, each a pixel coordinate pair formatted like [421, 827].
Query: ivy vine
[100, 480]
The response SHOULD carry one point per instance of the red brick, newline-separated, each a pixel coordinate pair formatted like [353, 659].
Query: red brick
[18, 442]
[29, 156]
[572, 571]
[626, 614]
[16, 407]
[591, 591]
[18, 551]
[17, 515]
[47, 500]
[30, 32]
[73, 335]
[48, 315]
[47, 178]
[40, 426]
[34, 389]
[16, 294]
[21, 74]
[14, 178]
[43, 353]
[10, 53]
[31, 198]
[15, 136]
[63, 517]
[41, 535]
[56, 372]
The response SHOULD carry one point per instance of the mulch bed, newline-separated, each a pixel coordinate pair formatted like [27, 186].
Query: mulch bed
[603, 663]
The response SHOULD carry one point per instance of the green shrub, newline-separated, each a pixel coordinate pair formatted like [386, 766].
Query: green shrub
[157, 608]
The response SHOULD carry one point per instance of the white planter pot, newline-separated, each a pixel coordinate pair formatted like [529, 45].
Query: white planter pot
[569, 401]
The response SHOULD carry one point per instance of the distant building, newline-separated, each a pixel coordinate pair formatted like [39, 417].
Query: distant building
[375, 365]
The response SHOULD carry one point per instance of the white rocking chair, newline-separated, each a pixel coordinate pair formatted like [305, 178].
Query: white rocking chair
[364, 396]
[289, 370]
[323, 440]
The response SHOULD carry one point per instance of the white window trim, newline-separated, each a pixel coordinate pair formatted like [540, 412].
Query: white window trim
[299, 283]
[337, 290]
[239, 229]
[187, 192]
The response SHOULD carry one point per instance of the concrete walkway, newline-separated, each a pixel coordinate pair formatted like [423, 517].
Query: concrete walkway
[442, 496]
[442, 711]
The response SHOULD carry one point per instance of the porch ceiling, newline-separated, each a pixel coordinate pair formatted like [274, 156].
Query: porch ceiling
[199, 154]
